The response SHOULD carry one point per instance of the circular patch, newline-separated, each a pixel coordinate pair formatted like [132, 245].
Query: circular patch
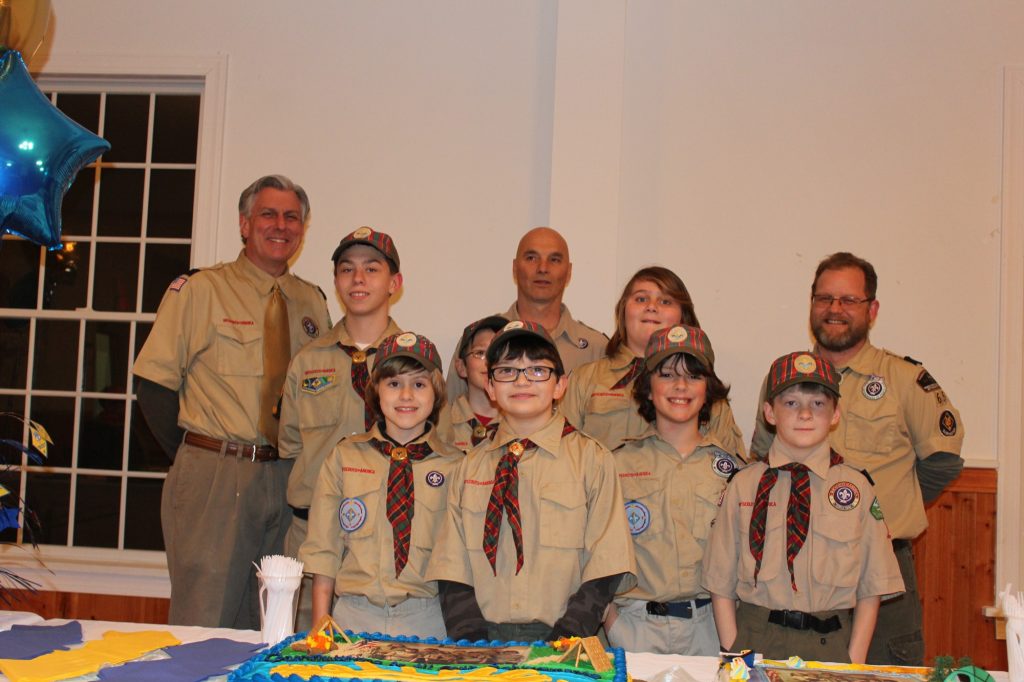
[309, 326]
[406, 340]
[516, 448]
[399, 454]
[582, 343]
[805, 364]
[435, 479]
[359, 357]
[723, 464]
[362, 233]
[875, 388]
[351, 514]
[514, 324]
[947, 423]
[638, 516]
[676, 334]
[844, 496]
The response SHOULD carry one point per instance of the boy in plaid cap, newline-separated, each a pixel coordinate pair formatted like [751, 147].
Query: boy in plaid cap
[473, 416]
[535, 544]
[380, 500]
[324, 392]
[672, 475]
[800, 540]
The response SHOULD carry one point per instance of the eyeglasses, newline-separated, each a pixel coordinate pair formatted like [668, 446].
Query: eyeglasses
[476, 354]
[507, 375]
[826, 301]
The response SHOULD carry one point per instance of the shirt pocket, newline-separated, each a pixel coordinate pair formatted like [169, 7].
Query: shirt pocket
[474, 510]
[774, 557]
[319, 410]
[563, 514]
[607, 406]
[358, 509]
[836, 549]
[645, 514]
[426, 522]
[707, 494]
[239, 350]
[872, 426]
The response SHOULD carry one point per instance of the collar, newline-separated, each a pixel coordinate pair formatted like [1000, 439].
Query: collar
[818, 461]
[261, 281]
[548, 437]
[864, 362]
[340, 333]
[565, 321]
[622, 358]
[380, 434]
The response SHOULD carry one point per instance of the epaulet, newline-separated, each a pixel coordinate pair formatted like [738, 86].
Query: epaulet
[911, 360]
[312, 285]
[182, 280]
[596, 331]
[733, 474]
[868, 476]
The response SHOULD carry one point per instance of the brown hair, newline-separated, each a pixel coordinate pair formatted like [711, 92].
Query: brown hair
[716, 389]
[402, 364]
[670, 285]
[845, 259]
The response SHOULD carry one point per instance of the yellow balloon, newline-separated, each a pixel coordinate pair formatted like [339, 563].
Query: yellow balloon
[23, 25]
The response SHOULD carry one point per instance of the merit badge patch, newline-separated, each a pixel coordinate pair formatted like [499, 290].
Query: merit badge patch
[927, 382]
[723, 464]
[875, 388]
[318, 383]
[435, 479]
[876, 510]
[309, 326]
[351, 514]
[947, 423]
[844, 496]
[638, 516]
[582, 343]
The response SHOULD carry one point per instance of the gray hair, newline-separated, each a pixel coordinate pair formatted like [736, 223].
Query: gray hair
[278, 182]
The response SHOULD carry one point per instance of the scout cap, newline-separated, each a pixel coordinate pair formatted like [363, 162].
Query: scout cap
[681, 338]
[409, 345]
[801, 367]
[522, 328]
[370, 237]
[493, 322]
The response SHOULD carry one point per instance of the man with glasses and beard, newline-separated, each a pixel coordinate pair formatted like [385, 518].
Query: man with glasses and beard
[897, 424]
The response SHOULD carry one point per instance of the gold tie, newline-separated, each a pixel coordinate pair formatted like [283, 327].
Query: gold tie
[277, 351]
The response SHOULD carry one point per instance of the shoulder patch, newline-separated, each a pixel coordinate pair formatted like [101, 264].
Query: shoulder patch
[947, 423]
[181, 280]
[927, 382]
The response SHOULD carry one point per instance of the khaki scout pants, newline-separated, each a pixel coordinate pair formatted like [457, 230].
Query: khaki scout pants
[779, 642]
[219, 515]
[417, 617]
[899, 636]
[637, 630]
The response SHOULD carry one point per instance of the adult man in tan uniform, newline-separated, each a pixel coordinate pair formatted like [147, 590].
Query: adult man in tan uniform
[217, 333]
[897, 424]
[542, 270]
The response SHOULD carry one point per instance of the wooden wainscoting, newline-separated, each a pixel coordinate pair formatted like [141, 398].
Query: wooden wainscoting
[93, 606]
[956, 559]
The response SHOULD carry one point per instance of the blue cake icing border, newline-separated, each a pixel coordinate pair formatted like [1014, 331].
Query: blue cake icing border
[250, 669]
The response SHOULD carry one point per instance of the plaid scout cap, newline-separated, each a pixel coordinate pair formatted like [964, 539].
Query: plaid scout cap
[409, 345]
[679, 339]
[519, 328]
[370, 237]
[493, 322]
[801, 367]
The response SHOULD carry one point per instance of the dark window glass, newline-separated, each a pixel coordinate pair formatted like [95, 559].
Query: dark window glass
[56, 355]
[144, 453]
[13, 352]
[116, 282]
[19, 273]
[82, 108]
[126, 127]
[171, 195]
[76, 208]
[65, 279]
[142, 330]
[12, 481]
[105, 366]
[142, 514]
[57, 415]
[49, 495]
[164, 262]
[97, 503]
[120, 213]
[101, 434]
[175, 129]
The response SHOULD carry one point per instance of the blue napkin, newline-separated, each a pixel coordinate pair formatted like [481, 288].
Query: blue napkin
[23, 642]
[187, 662]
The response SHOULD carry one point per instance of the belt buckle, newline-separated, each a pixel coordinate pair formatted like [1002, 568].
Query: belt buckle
[656, 608]
[252, 456]
[796, 620]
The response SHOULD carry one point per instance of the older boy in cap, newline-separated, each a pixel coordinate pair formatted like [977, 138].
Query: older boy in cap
[535, 543]
[473, 416]
[799, 540]
[324, 391]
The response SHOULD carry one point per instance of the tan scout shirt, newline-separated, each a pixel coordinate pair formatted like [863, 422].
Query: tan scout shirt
[671, 501]
[350, 536]
[577, 344]
[319, 407]
[457, 426]
[610, 415]
[574, 529]
[847, 555]
[893, 413]
[207, 343]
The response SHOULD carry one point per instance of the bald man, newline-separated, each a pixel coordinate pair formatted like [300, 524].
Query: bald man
[541, 271]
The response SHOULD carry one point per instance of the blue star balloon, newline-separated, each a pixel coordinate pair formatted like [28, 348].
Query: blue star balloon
[41, 152]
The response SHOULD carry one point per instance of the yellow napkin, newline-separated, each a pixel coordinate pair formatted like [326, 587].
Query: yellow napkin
[114, 648]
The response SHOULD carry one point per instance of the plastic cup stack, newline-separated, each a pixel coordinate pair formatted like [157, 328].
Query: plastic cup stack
[279, 578]
[1013, 609]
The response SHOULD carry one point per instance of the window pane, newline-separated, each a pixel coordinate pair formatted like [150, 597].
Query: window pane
[126, 127]
[12, 481]
[144, 453]
[13, 352]
[97, 503]
[171, 193]
[142, 330]
[10, 427]
[57, 415]
[48, 495]
[120, 212]
[83, 109]
[116, 277]
[56, 356]
[164, 262]
[66, 277]
[19, 273]
[105, 366]
[176, 129]
[142, 514]
[76, 208]
[101, 435]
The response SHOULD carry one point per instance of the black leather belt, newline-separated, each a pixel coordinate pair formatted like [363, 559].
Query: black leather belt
[250, 451]
[897, 545]
[678, 609]
[798, 620]
[300, 512]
